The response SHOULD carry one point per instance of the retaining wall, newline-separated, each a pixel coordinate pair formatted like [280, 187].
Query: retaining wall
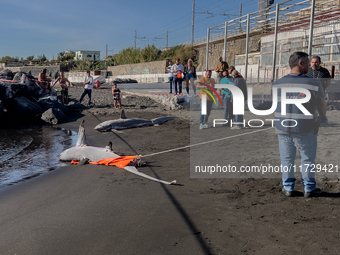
[154, 67]
[35, 70]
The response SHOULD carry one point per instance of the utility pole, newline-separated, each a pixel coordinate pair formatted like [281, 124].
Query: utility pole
[135, 37]
[167, 38]
[106, 51]
[193, 23]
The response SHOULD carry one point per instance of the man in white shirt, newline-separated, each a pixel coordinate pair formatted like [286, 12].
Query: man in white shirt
[88, 82]
[177, 70]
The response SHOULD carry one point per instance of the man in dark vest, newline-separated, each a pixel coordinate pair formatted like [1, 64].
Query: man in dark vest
[297, 130]
[241, 84]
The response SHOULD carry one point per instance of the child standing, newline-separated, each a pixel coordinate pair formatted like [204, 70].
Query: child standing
[116, 96]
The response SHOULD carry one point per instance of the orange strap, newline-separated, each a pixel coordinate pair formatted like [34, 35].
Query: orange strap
[120, 162]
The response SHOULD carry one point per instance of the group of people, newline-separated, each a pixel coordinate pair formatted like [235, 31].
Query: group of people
[177, 73]
[300, 133]
[225, 76]
[88, 82]
[45, 83]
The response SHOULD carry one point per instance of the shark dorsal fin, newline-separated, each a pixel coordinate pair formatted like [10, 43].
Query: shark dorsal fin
[122, 115]
[81, 134]
[109, 146]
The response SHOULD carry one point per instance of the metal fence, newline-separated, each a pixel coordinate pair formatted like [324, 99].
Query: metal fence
[284, 16]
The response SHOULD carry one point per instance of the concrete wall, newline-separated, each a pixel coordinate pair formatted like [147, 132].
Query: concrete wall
[155, 67]
[79, 76]
[35, 70]
[234, 47]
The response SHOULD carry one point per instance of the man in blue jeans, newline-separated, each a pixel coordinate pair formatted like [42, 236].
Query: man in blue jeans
[177, 70]
[297, 130]
[88, 82]
[227, 104]
[203, 82]
[170, 75]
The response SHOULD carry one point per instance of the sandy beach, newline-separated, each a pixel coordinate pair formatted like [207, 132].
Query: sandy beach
[106, 210]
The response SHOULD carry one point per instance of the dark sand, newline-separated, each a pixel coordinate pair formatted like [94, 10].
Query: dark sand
[105, 210]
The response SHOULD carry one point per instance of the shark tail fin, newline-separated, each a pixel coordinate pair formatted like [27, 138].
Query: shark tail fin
[122, 115]
[109, 146]
[81, 134]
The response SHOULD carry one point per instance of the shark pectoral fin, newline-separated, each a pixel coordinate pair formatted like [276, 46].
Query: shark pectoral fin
[109, 146]
[134, 170]
[122, 115]
[84, 161]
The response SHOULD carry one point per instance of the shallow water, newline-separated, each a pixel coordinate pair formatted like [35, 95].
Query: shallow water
[25, 154]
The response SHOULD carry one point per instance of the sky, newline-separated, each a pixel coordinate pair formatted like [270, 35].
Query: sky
[37, 27]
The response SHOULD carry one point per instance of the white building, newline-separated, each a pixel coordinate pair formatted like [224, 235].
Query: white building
[91, 55]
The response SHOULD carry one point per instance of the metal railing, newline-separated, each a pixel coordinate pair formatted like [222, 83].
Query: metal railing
[291, 16]
[272, 20]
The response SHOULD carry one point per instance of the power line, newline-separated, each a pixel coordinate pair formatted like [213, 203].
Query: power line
[177, 27]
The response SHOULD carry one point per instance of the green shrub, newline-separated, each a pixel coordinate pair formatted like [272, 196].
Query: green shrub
[128, 56]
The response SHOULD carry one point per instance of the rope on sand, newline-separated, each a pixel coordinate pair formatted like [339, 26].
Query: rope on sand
[207, 142]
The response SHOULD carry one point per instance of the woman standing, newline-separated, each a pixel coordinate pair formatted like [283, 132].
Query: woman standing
[190, 75]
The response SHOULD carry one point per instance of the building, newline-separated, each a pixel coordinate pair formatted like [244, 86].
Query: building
[87, 55]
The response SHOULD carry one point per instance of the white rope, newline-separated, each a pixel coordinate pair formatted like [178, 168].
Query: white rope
[220, 139]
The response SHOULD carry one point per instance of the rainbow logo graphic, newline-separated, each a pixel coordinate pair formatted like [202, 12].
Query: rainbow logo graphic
[208, 92]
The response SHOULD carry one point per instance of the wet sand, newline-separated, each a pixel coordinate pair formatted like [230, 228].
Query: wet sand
[105, 210]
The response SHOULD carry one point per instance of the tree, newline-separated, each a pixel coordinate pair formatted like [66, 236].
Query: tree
[128, 56]
[30, 58]
[9, 59]
[61, 56]
[65, 57]
[150, 53]
[41, 58]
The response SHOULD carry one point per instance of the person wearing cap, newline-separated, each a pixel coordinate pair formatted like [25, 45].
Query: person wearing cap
[88, 82]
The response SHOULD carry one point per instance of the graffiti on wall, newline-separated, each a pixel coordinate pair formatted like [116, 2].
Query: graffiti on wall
[139, 71]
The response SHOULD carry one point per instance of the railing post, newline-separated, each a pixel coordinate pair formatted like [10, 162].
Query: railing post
[208, 39]
[225, 40]
[311, 27]
[247, 46]
[275, 40]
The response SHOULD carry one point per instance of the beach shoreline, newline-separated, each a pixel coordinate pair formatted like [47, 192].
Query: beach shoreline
[105, 210]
